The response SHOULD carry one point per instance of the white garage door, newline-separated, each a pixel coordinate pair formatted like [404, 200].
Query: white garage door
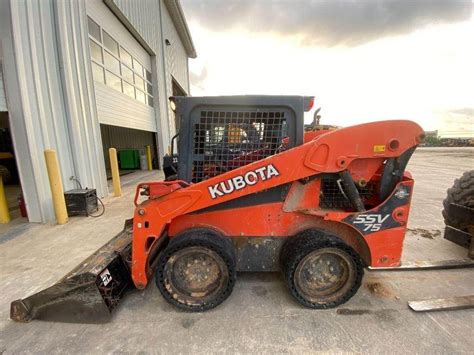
[3, 101]
[122, 72]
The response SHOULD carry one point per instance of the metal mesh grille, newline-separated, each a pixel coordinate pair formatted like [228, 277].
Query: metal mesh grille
[333, 196]
[226, 140]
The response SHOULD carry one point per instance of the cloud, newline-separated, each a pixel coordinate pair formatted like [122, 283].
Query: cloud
[198, 79]
[327, 23]
[457, 123]
[468, 111]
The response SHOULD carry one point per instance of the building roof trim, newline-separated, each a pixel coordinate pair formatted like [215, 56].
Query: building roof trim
[179, 20]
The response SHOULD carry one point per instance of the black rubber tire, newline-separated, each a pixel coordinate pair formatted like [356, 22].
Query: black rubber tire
[462, 193]
[298, 247]
[201, 238]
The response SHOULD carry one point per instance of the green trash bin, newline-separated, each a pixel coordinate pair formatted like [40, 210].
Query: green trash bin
[129, 159]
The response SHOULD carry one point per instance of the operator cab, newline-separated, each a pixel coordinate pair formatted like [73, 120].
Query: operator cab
[223, 133]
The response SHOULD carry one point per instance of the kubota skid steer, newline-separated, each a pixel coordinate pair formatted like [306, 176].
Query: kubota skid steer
[253, 193]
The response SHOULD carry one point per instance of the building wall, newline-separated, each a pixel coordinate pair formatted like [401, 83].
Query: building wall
[37, 110]
[51, 98]
[176, 62]
[50, 89]
[3, 100]
[176, 56]
[141, 16]
[119, 110]
[114, 107]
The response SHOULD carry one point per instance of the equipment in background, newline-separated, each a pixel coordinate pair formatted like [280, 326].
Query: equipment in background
[458, 216]
[8, 168]
[81, 202]
[458, 212]
[316, 124]
[252, 192]
[170, 161]
[129, 159]
[22, 205]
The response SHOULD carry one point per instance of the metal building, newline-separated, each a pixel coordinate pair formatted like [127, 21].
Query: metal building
[80, 76]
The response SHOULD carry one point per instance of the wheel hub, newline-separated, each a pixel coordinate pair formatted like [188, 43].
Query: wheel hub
[194, 274]
[196, 271]
[321, 274]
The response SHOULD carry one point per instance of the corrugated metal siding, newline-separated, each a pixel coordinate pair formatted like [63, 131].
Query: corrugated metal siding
[176, 56]
[51, 97]
[84, 129]
[3, 100]
[145, 17]
[115, 108]
[38, 118]
[176, 63]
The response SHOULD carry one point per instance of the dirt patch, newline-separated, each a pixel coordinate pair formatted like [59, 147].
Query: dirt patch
[187, 323]
[383, 315]
[425, 233]
[380, 290]
[352, 312]
[259, 291]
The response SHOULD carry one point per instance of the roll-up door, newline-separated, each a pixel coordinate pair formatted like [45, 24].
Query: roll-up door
[122, 72]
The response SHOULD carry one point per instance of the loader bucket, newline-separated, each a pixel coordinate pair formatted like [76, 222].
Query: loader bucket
[87, 294]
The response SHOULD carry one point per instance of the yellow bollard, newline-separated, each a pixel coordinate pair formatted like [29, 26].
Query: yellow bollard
[115, 172]
[148, 157]
[4, 214]
[56, 185]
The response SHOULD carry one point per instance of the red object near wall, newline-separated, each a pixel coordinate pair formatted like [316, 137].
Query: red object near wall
[22, 205]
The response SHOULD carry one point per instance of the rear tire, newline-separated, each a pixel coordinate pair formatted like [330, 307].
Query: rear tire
[321, 270]
[196, 272]
[462, 193]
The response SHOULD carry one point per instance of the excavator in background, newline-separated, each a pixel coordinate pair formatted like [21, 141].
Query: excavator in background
[252, 191]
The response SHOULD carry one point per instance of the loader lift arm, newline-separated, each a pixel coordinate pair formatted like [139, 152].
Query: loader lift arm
[331, 152]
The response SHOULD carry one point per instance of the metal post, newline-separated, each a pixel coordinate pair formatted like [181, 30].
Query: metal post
[115, 172]
[56, 185]
[4, 213]
[148, 157]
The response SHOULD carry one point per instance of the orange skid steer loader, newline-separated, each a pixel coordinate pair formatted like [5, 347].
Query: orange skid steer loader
[252, 192]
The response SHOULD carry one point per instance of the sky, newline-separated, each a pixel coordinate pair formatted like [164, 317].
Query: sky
[362, 60]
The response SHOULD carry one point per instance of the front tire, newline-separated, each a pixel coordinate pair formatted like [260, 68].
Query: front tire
[320, 270]
[196, 272]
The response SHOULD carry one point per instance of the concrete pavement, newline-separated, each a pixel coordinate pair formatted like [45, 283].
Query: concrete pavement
[260, 316]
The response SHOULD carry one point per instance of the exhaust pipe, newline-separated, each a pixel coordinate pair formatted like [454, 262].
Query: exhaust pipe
[90, 292]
